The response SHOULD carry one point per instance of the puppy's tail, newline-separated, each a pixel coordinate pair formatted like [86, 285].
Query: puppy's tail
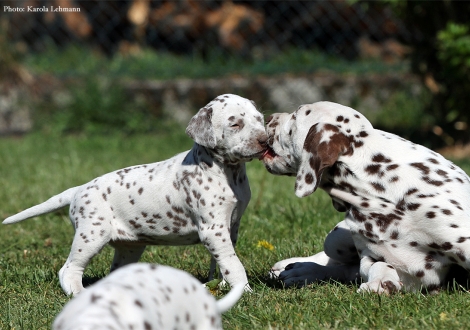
[230, 298]
[52, 204]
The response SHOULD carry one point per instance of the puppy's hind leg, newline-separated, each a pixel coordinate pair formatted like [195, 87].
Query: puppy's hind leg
[339, 245]
[213, 269]
[126, 254]
[83, 250]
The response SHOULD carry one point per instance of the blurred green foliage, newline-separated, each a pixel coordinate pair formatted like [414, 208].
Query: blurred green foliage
[440, 37]
[453, 51]
[94, 105]
[73, 61]
[454, 48]
[404, 114]
[10, 55]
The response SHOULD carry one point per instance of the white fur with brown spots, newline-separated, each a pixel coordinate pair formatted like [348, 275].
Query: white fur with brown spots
[144, 297]
[197, 196]
[407, 223]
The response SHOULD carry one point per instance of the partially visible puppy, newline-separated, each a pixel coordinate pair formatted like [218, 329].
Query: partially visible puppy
[146, 296]
[407, 220]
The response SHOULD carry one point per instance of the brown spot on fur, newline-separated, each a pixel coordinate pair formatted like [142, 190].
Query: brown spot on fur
[373, 169]
[380, 158]
[430, 215]
[420, 166]
[378, 186]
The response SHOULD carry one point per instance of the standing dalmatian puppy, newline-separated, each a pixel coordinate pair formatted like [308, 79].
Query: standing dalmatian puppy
[146, 296]
[407, 208]
[197, 196]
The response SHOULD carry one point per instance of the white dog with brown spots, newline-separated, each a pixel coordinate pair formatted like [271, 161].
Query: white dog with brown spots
[407, 222]
[197, 196]
[146, 296]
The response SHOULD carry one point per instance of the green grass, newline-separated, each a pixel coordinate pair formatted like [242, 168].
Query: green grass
[75, 61]
[36, 167]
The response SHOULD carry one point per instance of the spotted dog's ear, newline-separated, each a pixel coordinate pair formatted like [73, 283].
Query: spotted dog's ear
[200, 128]
[322, 147]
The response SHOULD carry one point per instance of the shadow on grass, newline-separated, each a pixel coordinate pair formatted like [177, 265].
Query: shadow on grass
[90, 280]
[276, 284]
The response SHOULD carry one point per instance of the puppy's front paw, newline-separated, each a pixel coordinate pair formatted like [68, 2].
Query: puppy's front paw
[381, 287]
[248, 288]
[300, 274]
[280, 266]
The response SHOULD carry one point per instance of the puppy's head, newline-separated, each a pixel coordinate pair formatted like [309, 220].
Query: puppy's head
[231, 127]
[311, 139]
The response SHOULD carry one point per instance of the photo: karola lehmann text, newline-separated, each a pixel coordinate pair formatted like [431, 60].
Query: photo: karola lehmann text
[43, 9]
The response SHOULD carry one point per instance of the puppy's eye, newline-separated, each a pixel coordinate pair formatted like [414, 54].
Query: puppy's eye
[235, 126]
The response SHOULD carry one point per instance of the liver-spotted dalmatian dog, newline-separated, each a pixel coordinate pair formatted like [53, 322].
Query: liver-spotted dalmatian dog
[197, 196]
[146, 296]
[407, 221]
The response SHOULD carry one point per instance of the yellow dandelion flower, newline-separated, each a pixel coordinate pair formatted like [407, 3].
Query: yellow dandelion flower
[265, 244]
[443, 316]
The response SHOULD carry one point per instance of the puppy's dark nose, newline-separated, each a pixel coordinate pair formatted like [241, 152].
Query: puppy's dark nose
[269, 119]
[263, 139]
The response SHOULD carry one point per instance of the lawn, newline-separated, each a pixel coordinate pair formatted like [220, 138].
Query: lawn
[36, 167]
[73, 61]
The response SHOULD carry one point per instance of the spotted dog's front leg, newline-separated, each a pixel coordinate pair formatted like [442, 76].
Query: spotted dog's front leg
[212, 269]
[319, 267]
[339, 261]
[320, 258]
[380, 277]
[216, 238]
[233, 237]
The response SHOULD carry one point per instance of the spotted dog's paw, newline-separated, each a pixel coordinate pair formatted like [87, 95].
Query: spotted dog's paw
[280, 266]
[381, 287]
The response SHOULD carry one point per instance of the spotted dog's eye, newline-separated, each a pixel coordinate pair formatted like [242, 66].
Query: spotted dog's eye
[235, 126]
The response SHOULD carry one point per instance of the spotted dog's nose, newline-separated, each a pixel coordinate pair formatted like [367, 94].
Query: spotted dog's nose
[263, 139]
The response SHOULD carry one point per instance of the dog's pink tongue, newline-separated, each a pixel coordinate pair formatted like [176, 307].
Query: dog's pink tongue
[268, 153]
[264, 154]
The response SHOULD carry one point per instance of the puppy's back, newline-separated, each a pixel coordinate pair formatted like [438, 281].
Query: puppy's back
[143, 296]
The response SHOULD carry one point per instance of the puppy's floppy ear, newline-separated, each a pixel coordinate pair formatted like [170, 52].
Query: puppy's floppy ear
[322, 147]
[200, 128]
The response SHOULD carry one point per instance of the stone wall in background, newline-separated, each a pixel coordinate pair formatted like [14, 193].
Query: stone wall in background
[181, 98]
[15, 103]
